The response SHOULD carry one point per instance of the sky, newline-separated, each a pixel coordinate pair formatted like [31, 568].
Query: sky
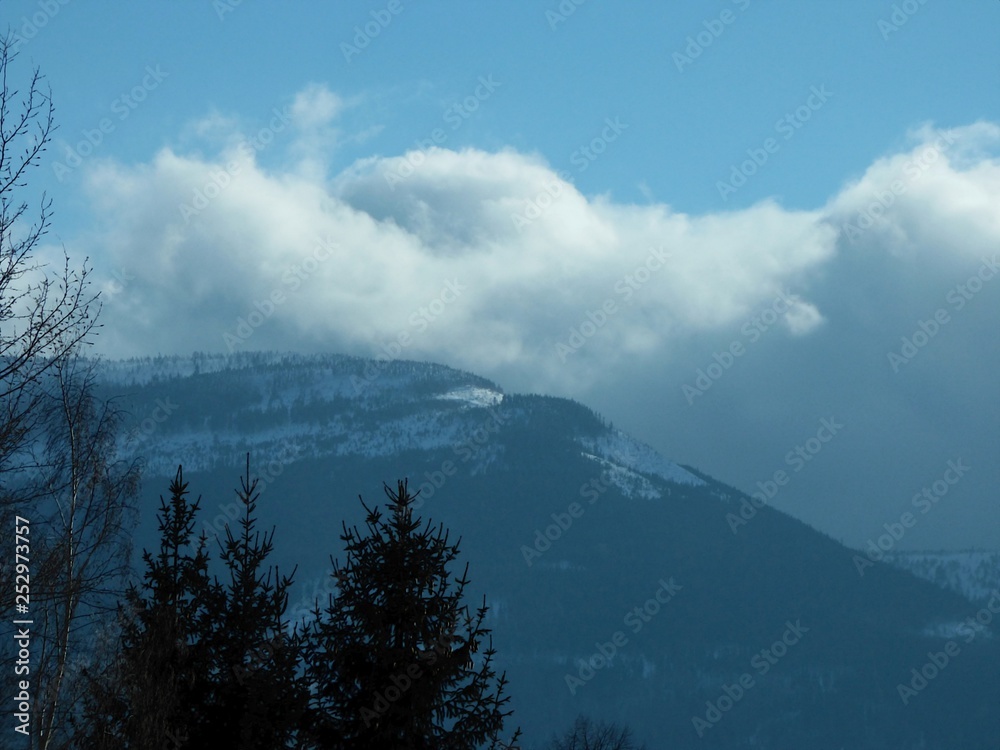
[762, 237]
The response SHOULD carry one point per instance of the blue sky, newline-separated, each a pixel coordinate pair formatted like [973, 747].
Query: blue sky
[686, 128]
[622, 126]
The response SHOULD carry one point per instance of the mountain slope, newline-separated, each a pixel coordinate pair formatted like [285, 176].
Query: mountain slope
[617, 584]
[975, 574]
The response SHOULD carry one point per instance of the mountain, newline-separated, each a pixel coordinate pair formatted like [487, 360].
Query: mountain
[621, 585]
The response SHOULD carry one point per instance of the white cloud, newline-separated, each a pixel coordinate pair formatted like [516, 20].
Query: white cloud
[313, 114]
[315, 106]
[534, 258]
[802, 318]
[938, 199]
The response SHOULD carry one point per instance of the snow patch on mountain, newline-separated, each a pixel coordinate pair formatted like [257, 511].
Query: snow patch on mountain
[349, 434]
[331, 374]
[629, 482]
[473, 395]
[199, 450]
[423, 431]
[145, 370]
[974, 574]
[623, 450]
[962, 631]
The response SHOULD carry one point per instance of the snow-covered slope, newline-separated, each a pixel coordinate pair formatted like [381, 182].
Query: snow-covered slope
[616, 448]
[974, 574]
[299, 407]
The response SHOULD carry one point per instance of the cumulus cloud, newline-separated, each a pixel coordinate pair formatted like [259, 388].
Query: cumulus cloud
[543, 278]
[316, 106]
[550, 281]
[357, 257]
[911, 203]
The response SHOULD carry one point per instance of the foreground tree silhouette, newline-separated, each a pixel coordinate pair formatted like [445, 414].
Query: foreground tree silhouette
[393, 657]
[256, 697]
[155, 691]
[203, 663]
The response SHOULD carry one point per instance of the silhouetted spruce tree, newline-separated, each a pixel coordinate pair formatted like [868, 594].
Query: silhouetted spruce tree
[153, 694]
[256, 698]
[397, 660]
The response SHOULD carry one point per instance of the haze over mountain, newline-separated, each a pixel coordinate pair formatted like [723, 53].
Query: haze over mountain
[721, 619]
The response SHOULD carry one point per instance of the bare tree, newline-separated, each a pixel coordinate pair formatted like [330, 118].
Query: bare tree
[58, 442]
[586, 735]
[81, 547]
[43, 315]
